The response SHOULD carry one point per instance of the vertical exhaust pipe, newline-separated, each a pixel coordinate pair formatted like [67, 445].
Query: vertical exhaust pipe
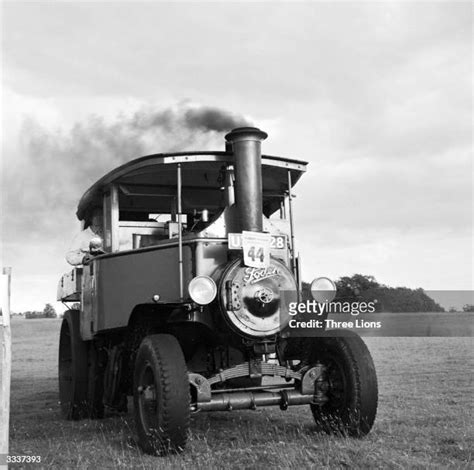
[246, 144]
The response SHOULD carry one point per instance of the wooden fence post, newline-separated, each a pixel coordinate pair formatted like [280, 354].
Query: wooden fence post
[6, 365]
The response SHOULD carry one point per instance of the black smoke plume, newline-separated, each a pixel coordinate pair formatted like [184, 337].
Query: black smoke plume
[53, 168]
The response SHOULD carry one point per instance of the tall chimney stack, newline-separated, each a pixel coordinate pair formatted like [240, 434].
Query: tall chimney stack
[246, 144]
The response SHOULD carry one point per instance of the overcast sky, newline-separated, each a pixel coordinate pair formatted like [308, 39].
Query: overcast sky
[376, 96]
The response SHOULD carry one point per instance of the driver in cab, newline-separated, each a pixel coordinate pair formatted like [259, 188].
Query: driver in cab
[87, 243]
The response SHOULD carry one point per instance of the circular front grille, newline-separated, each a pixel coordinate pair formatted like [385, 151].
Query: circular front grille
[255, 300]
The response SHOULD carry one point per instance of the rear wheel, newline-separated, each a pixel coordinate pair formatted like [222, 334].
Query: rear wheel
[161, 395]
[95, 392]
[73, 368]
[351, 384]
[80, 372]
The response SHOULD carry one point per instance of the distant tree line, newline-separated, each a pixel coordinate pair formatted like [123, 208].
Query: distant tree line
[362, 288]
[48, 312]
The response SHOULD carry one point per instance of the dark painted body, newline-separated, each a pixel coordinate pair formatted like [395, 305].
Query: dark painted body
[145, 273]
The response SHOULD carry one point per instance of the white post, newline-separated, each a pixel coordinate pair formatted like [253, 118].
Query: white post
[6, 366]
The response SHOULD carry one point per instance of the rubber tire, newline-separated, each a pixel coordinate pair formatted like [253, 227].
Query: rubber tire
[162, 429]
[95, 392]
[72, 368]
[354, 414]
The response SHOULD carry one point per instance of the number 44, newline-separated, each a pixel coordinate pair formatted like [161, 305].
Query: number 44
[259, 254]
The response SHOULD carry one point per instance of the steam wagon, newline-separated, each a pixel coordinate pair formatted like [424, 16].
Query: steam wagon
[185, 307]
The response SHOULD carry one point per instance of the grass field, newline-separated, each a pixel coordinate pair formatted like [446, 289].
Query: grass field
[425, 417]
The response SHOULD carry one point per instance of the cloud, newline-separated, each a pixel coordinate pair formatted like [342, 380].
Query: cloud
[405, 195]
[54, 167]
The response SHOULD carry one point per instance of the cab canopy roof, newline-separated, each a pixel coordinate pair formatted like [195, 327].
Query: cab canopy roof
[148, 183]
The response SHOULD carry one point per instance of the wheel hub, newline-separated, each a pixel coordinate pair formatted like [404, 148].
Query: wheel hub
[264, 295]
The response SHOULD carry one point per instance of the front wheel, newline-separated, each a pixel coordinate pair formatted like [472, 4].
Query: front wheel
[161, 395]
[350, 381]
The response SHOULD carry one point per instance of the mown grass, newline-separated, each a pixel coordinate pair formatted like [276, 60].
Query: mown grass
[424, 417]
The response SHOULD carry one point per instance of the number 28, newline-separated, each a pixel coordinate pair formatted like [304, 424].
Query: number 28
[277, 242]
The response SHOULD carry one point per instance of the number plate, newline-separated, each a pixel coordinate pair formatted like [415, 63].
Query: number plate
[256, 248]
[277, 242]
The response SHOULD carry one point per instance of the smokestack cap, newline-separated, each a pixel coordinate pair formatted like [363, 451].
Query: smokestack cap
[246, 133]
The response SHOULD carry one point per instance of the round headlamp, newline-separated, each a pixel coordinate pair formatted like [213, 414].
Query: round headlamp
[323, 289]
[202, 289]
